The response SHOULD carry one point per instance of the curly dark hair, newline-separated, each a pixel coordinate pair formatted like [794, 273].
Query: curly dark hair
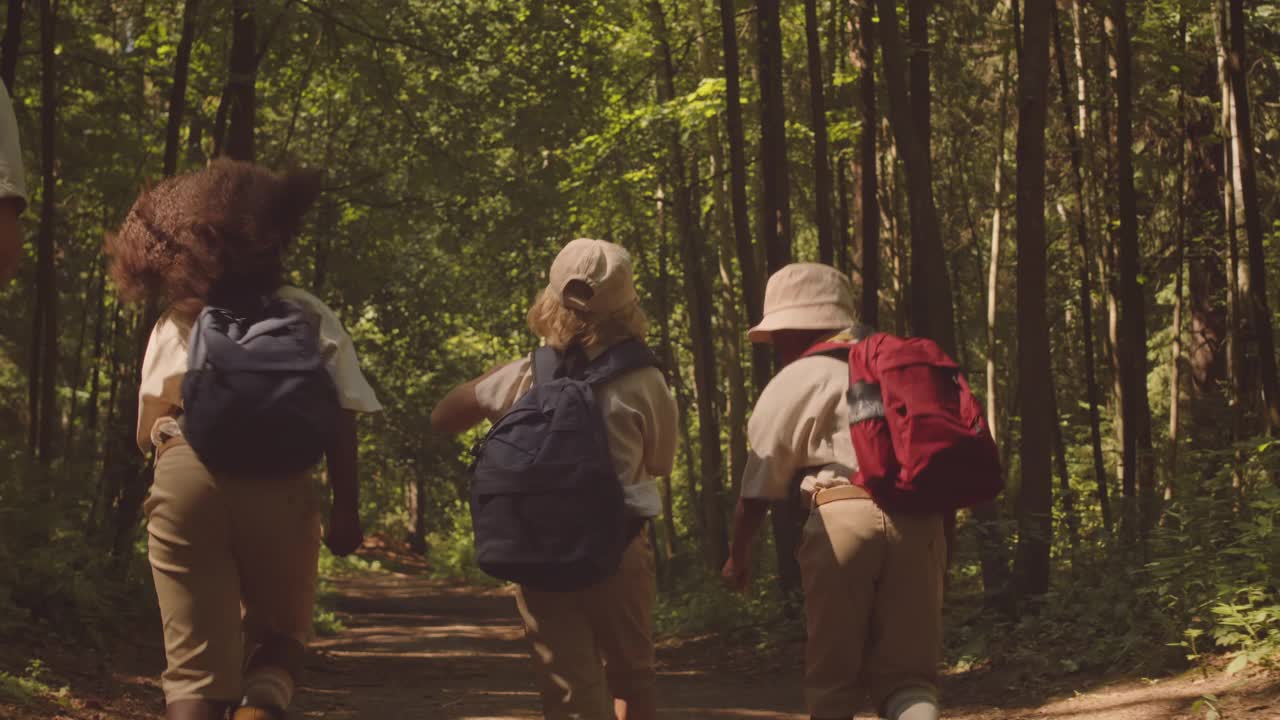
[215, 233]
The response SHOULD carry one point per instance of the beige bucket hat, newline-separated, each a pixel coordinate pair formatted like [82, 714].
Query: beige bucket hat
[805, 296]
[605, 270]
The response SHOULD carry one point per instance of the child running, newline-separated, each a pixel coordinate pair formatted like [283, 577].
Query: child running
[234, 552]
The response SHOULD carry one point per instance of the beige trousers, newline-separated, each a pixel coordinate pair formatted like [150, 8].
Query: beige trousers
[873, 604]
[596, 644]
[234, 562]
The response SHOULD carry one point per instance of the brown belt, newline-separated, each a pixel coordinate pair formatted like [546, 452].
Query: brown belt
[840, 492]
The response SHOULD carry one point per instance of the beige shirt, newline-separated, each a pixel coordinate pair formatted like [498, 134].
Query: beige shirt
[640, 417]
[800, 423]
[165, 363]
[13, 183]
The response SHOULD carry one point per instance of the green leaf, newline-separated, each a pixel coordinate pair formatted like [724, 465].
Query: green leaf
[1240, 663]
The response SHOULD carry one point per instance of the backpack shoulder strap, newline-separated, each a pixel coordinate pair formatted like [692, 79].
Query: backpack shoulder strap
[619, 360]
[546, 364]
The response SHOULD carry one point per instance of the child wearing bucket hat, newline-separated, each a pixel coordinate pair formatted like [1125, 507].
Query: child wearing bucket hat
[592, 645]
[872, 578]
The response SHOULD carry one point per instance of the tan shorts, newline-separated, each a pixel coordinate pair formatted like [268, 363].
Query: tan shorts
[873, 604]
[572, 633]
[234, 562]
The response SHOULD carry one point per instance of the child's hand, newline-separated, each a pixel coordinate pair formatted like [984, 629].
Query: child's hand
[344, 536]
[736, 575]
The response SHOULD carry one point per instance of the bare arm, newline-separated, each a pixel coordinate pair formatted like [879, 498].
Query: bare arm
[459, 411]
[10, 238]
[747, 520]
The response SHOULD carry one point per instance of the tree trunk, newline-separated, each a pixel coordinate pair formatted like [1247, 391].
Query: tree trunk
[775, 226]
[673, 376]
[1081, 218]
[864, 58]
[821, 153]
[993, 270]
[932, 314]
[918, 69]
[731, 329]
[752, 292]
[11, 45]
[1133, 346]
[1256, 299]
[1175, 361]
[698, 305]
[1035, 376]
[1064, 476]
[242, 81]
[178, 93]
[47, 292]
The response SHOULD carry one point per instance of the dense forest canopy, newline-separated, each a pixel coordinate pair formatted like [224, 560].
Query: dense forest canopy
[1081, 200]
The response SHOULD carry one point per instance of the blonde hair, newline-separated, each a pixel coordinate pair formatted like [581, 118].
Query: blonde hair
[561, 326]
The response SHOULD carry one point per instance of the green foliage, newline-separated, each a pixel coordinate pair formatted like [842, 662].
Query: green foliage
[32, 686]
[451, 550]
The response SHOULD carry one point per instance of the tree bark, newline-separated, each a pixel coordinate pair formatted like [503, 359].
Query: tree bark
[11, 44]
[993, 270]
[918, 68]
[1256, 298]
[775, 225]
[242, 81]
[1175, 361]
[1081, 221]
[821, 153]
[698, 305]
[1133, 346]
[1035, 499]
[864, 58]
[932, 314]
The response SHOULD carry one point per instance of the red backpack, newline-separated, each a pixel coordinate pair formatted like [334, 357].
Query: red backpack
[921, 438]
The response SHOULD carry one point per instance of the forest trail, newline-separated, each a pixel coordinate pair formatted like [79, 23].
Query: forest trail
[414, 648]
[418, 648]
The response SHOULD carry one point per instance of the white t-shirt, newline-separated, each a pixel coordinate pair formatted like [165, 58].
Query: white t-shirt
[165, 363]
[13, 183]
[800, 422]
[640, 417]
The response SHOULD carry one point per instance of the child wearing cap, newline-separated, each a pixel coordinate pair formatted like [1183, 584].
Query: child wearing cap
[592, 649]
[872, 579]
[233, 558]
[13, 188]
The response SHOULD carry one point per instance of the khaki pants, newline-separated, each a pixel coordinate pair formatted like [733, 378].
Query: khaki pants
[873, 604]
[594, 645]
[234, 562]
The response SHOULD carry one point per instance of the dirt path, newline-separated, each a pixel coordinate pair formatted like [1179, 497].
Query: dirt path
[415, 648]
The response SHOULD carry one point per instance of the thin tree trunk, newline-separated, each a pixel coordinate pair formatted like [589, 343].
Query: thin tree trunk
[91, 404]
[242, 81]
[698, 305]
[77, 379]
[673, 370]
[932, 314]
[918, 68]
[11, 45]
[731, 327]
[1069, 514]
[1260, 313]
[47, 292]
[993, 271]
[1081, 221]
[869, 205]
[1136, 406]
[818, 117]
[1035, 499]
[1235, 372]
[752, 292]
[775, 223]
[178, 93]
[1175, 361]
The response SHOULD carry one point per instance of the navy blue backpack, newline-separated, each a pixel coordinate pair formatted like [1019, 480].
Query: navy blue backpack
[257, 397]
[546, 503]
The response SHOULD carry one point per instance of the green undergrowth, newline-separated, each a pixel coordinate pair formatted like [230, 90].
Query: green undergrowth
[32, 686]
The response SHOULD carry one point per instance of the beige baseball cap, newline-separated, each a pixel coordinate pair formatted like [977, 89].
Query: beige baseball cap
[805, 296]
[593, 276]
